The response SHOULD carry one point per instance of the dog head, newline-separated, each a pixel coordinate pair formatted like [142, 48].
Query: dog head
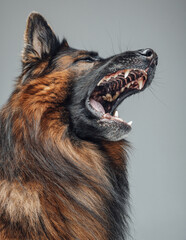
[86, 88]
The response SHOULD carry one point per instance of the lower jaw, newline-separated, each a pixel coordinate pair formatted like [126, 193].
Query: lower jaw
[113, 115]
[108, 118]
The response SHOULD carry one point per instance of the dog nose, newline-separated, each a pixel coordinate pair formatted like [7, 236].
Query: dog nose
[149, 54]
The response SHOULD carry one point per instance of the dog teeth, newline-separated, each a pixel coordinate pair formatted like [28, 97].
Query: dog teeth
[127, 73]
[123, 88]
[140, 82]
[128, 85]
[104, 80]
[116, 114]
[116, 96]
[101, 82]
[130, 123]
[108, 97]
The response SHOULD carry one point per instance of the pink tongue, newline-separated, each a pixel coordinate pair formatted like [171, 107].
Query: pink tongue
[97, 106]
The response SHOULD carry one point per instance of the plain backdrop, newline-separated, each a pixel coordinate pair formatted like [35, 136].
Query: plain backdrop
[157, 166]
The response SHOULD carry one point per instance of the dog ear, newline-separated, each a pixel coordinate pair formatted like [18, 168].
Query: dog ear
[40, 40]
[64, 44]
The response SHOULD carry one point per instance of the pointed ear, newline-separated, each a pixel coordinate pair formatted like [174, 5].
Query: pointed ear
[64, 44]
[40, 40]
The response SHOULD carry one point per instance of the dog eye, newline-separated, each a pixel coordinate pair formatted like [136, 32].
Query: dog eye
[85, 59]
[88, 59]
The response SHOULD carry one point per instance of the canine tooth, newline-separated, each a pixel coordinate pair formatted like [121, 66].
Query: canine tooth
[99, 82]
[116, 114]
[140, 82]
[103, 79]
[130, 123]
[127, 73]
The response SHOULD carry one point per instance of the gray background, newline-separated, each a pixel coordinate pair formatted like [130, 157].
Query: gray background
[157, 167]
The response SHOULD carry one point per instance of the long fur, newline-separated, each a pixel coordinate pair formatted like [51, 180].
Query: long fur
[63, 172]
[53, 184]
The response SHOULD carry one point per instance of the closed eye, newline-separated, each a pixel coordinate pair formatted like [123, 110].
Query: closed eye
[85, 59]
[89, 59]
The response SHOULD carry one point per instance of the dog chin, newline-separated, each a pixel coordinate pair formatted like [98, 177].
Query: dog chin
[96, 130]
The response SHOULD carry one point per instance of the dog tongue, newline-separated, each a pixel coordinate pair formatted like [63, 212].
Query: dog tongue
[97, 106]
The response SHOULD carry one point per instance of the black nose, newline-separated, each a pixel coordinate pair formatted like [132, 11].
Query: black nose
[149, 54]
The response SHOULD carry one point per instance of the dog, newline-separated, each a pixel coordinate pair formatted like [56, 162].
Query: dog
[63, 153]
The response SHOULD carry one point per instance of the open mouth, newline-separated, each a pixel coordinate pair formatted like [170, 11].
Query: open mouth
[112, 89]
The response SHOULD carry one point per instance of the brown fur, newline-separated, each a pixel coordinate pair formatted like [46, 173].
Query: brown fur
[25, 202]
[62, 172]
